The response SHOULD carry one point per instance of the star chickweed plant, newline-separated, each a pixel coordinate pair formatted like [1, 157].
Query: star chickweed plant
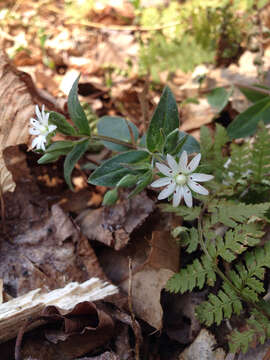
[41, 128]
[180, 179]
[226, 231]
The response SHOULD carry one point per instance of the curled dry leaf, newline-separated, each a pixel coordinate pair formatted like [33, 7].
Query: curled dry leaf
[71, 333]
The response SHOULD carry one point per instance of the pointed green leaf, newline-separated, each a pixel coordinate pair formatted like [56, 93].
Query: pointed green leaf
[72, 158]
[245, 124]
[114, 169]
[62, 125]
[59, 146]
[76, 111]
[49, 157]
[254, 95]
[165, 117]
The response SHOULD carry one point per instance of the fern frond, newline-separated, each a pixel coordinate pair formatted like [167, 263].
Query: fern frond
[195, 274]
[257, 330]
[237, 240]
[189, 239]
[236, 171]
[249, 274]
[219, 307]
[230, 213]
[260, 155]
[188, 214]
[212, 151]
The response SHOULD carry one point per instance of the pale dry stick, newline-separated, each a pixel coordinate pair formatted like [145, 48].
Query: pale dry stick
[134, 325]
[123, 27]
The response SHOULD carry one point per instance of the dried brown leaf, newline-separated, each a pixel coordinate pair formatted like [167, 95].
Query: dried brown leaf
[113, 225]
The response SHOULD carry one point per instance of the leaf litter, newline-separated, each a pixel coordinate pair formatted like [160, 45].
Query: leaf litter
[50, 248]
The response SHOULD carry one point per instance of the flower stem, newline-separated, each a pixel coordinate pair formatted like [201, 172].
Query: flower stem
[115, 141]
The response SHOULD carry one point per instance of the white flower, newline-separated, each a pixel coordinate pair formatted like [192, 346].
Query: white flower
[41, 128]
[180, 179]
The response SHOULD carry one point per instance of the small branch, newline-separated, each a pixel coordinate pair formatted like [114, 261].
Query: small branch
[123, 28]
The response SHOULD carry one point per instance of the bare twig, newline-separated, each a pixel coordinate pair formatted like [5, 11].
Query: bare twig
[123, 28]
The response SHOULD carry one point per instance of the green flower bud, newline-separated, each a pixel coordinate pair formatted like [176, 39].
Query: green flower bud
[110, 197]
[127, 181]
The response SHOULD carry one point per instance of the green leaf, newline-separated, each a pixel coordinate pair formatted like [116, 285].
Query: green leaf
[218, 98]
[76, 111]
[114, 169]
[195, 274]
[219, 306]
[245, 124]
[117, 128]
[49, 157]
[72, 158]
[144, 180]
[110, 197]
[253, 95]
[191, 145]
[62, 125]
[165, 118]
[171, 142]
[64, 146]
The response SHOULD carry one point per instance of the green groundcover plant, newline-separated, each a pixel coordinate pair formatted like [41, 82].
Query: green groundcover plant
[223, 223]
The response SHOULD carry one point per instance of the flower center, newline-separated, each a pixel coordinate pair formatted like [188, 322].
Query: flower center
[43, 130]
[180, 179]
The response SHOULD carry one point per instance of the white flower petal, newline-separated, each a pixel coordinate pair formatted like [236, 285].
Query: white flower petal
[197, 188]
[34, 122]
[164, 169]
[183, 162]
[51, 128]
[194, 163]
[200, 177]
[39, 142]
[172, 163]
[38, 113]
[167, 191]
[187, 196]
[161, 182]
[34, 131]
[177, 196]
[43, 111]
[227, 163]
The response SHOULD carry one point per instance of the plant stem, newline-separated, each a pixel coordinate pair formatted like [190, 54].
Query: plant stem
[115, 141]
[253, 88]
